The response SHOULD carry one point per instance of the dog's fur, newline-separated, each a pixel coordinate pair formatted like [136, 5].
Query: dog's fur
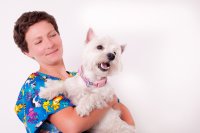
[101, 58]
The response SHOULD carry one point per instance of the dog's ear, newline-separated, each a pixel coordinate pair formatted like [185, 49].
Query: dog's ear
[90, 35]
[123, 48]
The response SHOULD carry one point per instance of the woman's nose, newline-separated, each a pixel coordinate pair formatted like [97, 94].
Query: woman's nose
[49, 43]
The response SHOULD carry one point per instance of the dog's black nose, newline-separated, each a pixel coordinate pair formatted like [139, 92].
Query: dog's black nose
[111, 56]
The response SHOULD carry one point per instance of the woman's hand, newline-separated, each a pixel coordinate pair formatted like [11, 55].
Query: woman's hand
[113, 102]
[117, 106]
[125, 114]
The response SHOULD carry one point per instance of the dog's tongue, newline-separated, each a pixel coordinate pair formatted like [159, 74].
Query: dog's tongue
[105, 65]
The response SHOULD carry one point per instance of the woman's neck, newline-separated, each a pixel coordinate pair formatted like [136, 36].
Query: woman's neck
[58, 71]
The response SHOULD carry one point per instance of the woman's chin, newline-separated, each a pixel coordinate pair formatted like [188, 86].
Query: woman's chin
[54, 61]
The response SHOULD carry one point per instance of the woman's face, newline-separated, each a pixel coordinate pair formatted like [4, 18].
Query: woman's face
[44, 44]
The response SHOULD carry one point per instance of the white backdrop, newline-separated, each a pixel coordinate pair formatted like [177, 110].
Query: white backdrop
[160, 82]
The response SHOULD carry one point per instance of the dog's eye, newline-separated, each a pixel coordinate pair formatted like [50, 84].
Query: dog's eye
[100, 47]
[115, 53]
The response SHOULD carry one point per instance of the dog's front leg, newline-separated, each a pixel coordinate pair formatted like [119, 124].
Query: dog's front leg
[52, 89]
[89, 102]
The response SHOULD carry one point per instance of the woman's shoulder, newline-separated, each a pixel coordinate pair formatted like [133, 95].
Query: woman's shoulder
[37, 79]
[34, 81]
[32, 85]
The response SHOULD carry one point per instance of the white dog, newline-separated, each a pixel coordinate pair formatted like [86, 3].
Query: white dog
[89, 89]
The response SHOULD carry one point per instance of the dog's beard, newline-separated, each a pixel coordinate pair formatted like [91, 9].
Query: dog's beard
[107, 68]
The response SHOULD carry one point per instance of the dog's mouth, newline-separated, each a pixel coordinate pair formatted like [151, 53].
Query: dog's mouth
[104, 66]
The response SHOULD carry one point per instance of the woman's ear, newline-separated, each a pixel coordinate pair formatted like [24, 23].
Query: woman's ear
[29, 55]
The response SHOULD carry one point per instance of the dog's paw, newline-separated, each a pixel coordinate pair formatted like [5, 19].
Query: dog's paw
[51, 83]
[45, 94]
[129, 129]
[99, 102]
[125, 128]
[82, 111]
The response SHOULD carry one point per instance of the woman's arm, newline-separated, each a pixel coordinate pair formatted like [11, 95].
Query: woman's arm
[67, 120]
[125, 113]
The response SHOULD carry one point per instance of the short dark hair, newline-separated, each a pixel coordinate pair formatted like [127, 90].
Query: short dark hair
[26, 20]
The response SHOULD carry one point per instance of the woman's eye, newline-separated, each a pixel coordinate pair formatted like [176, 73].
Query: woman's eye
[52, 35]
[38, 42]
[100, 47]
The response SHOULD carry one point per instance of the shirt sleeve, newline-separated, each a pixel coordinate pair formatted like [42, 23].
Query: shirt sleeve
[33, 110]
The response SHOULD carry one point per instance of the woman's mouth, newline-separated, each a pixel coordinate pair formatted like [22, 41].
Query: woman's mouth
[52, 52]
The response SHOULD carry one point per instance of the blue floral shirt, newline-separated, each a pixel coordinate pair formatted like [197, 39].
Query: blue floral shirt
[32, 110]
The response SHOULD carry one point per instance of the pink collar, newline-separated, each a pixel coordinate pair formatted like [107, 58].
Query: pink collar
[97, 84]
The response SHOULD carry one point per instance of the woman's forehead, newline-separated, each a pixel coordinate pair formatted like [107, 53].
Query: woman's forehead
[39, 29]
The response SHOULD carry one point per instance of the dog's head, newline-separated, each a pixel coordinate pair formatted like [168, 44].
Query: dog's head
[102, 56]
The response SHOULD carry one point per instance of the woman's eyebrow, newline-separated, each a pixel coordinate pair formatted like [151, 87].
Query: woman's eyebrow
[36, 38]
[51, 31]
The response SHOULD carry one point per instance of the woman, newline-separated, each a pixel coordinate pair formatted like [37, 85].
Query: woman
[36, 34]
